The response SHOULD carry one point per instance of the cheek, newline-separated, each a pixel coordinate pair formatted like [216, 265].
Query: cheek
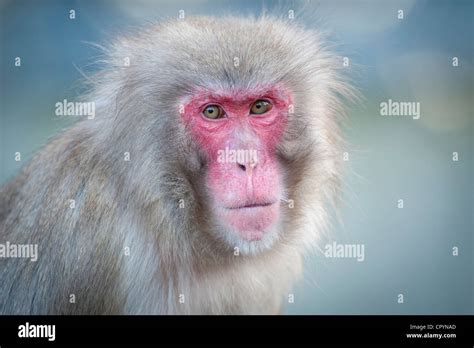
[222, 183]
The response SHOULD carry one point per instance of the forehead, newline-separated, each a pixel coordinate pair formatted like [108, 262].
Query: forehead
[277, 93]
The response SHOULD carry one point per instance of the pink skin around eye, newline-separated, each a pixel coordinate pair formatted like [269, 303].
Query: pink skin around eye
[245, 190]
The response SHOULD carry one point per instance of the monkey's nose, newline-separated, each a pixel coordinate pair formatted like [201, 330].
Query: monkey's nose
[247, 166]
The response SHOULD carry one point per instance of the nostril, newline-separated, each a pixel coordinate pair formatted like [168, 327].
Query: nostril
[241, 166]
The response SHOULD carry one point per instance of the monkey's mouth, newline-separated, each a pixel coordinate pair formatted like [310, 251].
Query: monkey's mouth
[251, 220]
[251, 205]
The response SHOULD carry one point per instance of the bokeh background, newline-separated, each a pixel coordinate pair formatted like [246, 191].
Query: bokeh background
[408, 251]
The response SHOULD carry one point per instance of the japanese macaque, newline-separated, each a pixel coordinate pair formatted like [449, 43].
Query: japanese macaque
[202, 179]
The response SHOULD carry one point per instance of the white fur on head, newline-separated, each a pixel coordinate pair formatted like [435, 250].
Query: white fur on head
[169, 60]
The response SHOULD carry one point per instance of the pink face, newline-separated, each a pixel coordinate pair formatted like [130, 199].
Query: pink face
[239, 131]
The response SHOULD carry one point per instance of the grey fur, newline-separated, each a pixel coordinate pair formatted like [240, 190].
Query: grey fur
[135, 204]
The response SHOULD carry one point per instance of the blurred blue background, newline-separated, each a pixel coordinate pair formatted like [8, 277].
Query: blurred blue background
[408, 251]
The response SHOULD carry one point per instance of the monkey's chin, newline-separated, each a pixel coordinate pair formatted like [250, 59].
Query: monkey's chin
[251, 229]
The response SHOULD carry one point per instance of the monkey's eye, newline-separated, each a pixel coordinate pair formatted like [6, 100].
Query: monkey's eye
[260, 107]
[213, 112]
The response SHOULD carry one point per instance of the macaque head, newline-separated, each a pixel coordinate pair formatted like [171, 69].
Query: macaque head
[241, 117]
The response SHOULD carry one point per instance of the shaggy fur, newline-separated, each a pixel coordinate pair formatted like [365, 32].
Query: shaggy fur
[135, 205]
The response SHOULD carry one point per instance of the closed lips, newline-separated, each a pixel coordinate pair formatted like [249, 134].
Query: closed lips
[252, 205]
